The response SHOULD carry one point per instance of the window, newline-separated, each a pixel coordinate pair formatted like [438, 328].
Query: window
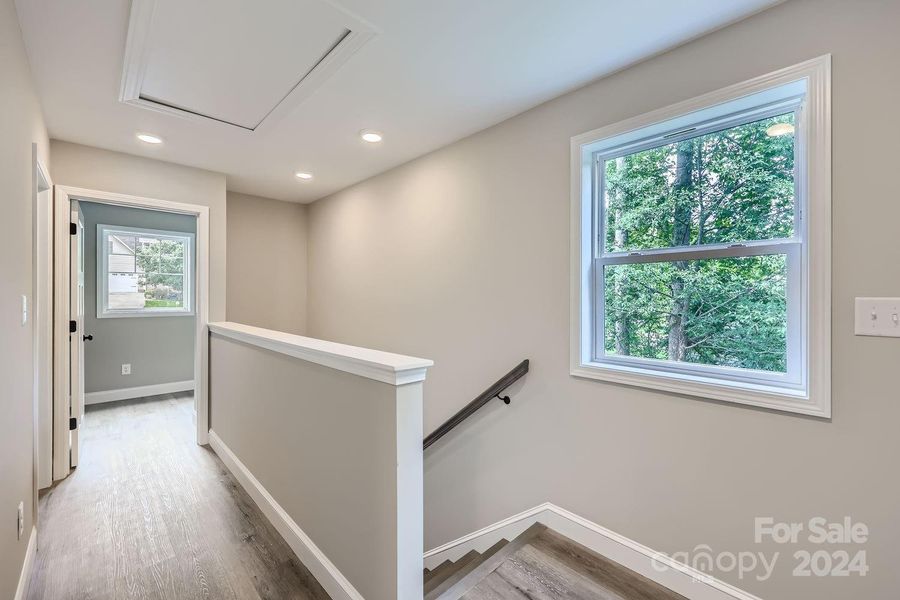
[703, 235]
[143, 272]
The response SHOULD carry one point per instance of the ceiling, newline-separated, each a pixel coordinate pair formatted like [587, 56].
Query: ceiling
[261, 89]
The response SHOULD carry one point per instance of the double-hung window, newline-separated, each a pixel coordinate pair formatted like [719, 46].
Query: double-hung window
[702, 235]
[144, 272]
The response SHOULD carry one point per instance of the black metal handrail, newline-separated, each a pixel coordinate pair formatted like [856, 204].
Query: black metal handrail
[486, 396]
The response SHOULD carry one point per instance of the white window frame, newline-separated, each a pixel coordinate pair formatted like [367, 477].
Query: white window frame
[805, 388]
[103, 310]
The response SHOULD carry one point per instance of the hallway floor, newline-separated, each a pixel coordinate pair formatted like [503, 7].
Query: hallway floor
[149, 514]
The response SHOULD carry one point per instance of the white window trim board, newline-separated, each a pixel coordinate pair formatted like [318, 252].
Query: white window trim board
[815, 397]
[103, 311]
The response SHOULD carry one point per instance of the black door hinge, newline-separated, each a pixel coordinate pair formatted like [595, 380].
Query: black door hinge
[73, 423]
[73, 228]
[73, 326]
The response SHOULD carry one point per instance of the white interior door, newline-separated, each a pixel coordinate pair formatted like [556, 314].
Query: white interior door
[77, 335]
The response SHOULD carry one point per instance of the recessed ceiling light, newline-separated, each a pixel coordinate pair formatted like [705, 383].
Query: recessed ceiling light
[779, 129]
[302, 175]
[149, 138]
[368, 135]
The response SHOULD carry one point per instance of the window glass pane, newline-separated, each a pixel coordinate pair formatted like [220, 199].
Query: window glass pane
[171, 256]
[123, 292]
[121, 244]
[163, 291]
[728, 312]
[145, 271]
[733, 185]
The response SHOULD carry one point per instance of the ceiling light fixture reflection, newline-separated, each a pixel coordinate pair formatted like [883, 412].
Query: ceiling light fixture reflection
[303, 175]
[779, 129]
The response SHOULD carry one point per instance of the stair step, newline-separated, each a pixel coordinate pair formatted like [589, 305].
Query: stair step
[431, 573]
[489, 564]
[465, 570]
[447, 571]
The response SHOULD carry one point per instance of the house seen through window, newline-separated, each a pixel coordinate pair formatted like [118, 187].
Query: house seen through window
[143, 272]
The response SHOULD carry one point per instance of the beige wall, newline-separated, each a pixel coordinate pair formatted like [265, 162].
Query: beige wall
[324, 443]
[463, 256]
[93, 168]
[267, 263]
[21, 124]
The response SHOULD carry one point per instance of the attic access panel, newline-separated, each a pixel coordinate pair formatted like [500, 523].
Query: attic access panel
[241, 63]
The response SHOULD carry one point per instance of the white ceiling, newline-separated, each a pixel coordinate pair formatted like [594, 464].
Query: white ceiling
[435, 72]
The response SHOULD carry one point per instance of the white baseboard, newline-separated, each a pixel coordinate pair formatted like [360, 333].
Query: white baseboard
[25, 576]
[142, 391]
[678, 577]
[325, 572]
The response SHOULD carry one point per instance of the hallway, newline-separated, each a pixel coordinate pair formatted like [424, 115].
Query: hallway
[149, 514]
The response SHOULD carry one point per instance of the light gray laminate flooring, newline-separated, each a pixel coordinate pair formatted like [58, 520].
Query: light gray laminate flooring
[149, 514]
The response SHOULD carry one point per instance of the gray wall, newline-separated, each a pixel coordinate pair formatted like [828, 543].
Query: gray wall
[463, 256]
[324, 444]
[96, 169]
[21, 124]
[267, 263]
[159, 349]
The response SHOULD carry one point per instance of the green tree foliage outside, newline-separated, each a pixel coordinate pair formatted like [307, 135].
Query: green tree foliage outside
[161, 267]
[730, 186]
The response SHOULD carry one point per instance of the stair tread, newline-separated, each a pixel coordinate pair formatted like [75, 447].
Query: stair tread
[439, 589]
[448, 570]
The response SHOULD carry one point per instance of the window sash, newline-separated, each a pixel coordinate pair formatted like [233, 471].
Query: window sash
[794, 104]
[794, 375]
[105, 234]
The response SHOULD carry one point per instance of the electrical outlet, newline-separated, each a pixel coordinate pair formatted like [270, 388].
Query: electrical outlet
[21, 520]
[126, 369]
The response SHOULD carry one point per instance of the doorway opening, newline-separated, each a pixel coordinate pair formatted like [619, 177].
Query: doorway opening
[130, 309]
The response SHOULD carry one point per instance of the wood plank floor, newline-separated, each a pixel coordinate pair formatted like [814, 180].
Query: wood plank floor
[550, 566]
[149, 514]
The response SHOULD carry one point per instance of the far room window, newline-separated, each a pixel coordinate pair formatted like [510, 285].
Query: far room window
[143, 272]
[695, 266]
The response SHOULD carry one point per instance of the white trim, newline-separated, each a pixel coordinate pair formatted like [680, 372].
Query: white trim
[61, 435]
[201, 297]
[325, 572]
[815, 400]
[25, 575]
[678, 577]
[142, 391]
[137, 52]
[386, 367]
[42, 322]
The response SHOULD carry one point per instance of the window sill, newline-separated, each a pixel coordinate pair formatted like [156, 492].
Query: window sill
[774, 398]
[124, 315]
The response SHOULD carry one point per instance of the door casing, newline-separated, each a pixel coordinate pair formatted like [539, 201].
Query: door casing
[63, 195]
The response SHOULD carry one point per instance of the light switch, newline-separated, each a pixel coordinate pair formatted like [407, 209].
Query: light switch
[878, 316]
[24, 309]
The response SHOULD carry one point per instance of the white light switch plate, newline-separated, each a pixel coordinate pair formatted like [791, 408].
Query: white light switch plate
[24, 309]
[126, 369]
[878, 316]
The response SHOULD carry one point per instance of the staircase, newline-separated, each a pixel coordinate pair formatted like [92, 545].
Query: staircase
[540, 564]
